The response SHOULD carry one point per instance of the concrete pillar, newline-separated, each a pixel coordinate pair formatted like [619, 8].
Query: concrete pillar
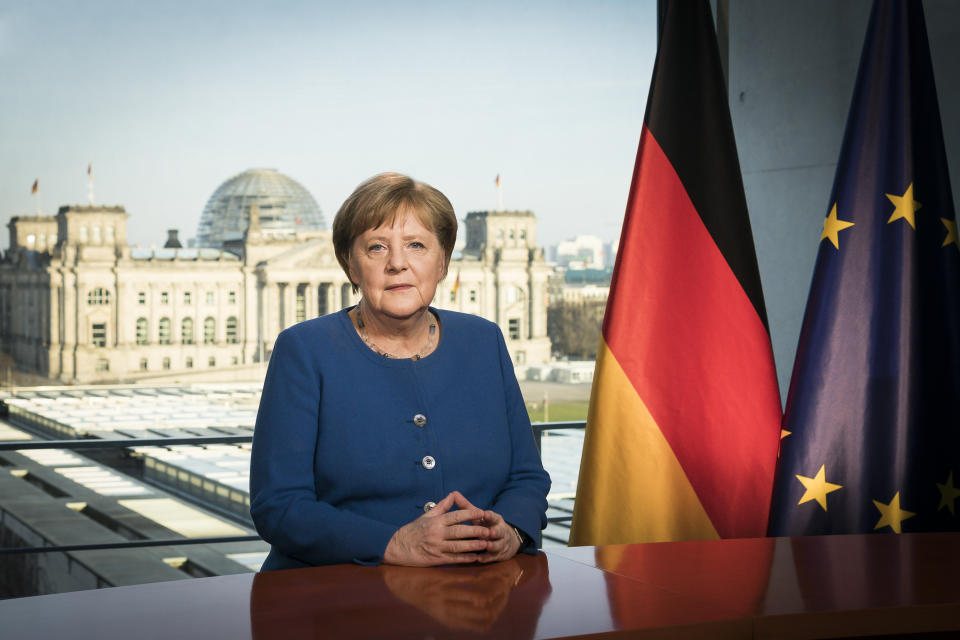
[311, 299]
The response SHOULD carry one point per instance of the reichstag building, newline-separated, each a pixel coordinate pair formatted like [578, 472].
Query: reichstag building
[78, 304]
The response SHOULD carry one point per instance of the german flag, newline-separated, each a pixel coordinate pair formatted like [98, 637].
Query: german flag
[684, 418]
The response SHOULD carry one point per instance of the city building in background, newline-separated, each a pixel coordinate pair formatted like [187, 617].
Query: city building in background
[583, 252]
[78, 304]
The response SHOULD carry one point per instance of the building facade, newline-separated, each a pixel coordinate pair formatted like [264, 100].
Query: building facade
[78, 304]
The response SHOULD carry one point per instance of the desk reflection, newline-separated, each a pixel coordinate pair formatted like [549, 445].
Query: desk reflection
[497, 600]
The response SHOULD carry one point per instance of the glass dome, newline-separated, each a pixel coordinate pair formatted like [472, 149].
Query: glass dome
[285, 206]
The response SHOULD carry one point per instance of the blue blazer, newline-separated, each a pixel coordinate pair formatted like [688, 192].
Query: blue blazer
[338, 461]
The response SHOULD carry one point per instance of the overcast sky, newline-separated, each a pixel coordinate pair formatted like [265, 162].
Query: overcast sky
[169, 99]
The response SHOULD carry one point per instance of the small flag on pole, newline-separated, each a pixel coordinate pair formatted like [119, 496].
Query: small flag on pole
[33, 189]
[456, 286]
[90, 183]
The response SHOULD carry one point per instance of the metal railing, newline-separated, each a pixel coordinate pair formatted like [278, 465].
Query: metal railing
[119, 443]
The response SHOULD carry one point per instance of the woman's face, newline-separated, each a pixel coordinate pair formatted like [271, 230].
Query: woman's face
[397, 267]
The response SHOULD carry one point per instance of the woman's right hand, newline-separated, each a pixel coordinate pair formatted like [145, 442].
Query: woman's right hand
[440, 536]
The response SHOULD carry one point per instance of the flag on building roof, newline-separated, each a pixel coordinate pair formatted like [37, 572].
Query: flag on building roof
[871, 426]
[456, 285]
[684, 417]
[33, 189]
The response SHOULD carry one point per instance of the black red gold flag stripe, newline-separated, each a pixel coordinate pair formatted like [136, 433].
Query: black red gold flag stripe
[684, 417]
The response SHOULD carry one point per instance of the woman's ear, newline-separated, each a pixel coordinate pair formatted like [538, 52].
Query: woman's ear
[443, 272]
[354, 281]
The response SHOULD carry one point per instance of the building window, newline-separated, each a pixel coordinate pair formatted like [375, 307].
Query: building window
[187, 296]
[188, 363]
[301, 303]
[210, 298]
[83, 233]
[209, 330]
[166, 363]
[142, 331]
[186, 331]
[211, 361]
[235, 360]
[473, 295]
[164, 331]
[232, 297]
[514, 328]
[141, 297]
[99, 334]
[109, 234]
[98, 296]
[96, 234]
[232, 336]
[164, 297]
[453, 295]
[103, 364]
[143, 364]
[521, 357]
[31, 240]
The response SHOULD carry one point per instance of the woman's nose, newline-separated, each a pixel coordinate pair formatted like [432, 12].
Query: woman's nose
[396, 261]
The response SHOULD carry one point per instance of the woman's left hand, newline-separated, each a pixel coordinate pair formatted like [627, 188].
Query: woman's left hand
[503, 543]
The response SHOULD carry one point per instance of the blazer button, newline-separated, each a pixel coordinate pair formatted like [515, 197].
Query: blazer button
[428, 462]
[419, 419]
[429, 505]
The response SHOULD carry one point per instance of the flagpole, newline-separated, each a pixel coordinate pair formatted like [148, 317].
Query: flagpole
[35, 192]
[90, 183]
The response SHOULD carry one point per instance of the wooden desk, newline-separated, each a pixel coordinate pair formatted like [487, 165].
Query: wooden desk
[822, 587]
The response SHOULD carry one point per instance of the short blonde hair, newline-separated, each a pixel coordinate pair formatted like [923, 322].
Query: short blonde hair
[378, 200]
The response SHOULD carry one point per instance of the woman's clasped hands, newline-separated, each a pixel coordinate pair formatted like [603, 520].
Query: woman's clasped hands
[445, 535]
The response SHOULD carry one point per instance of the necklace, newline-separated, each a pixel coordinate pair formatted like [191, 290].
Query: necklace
[424, 350]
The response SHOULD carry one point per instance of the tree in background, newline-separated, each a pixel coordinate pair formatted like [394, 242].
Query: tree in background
[574, 328]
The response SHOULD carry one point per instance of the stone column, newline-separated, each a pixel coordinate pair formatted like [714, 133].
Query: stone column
[310, 300]
[280, 309]
[289, 305]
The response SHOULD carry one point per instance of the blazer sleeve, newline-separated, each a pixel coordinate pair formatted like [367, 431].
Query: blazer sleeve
[283, 495]
[523, 500]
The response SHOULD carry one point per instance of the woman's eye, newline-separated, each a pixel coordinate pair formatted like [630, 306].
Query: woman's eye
[376, 247]
[417, 245]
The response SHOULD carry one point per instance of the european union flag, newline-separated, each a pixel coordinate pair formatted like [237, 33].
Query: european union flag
[871, 433]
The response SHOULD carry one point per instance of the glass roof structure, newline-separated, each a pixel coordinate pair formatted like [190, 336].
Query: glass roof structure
[285, 207]
[217, 474]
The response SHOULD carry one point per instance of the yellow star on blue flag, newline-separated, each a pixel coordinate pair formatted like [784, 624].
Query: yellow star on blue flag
[906, 207]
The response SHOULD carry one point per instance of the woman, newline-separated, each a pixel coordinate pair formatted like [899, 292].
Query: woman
[392, 431]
